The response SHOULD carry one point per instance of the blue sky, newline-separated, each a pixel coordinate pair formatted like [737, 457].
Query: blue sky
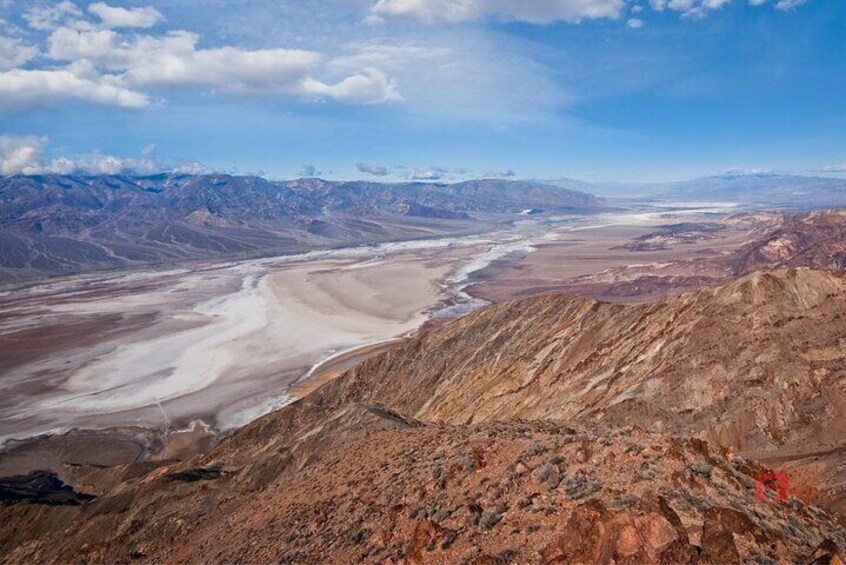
[627, 90]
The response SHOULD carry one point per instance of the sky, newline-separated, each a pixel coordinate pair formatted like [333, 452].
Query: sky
[599, 90]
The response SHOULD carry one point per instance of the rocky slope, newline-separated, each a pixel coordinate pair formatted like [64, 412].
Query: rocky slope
[816, 240]
[553, 429]
[64, 224]
[507, 492]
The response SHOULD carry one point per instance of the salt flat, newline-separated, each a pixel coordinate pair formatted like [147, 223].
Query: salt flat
[223, 344]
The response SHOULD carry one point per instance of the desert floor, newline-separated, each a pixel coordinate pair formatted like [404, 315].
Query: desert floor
[159, 362]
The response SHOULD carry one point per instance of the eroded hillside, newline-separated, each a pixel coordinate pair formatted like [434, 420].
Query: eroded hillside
[546, 429]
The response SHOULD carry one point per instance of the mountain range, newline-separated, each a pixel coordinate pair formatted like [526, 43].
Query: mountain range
[67, 224]
[763, 190]
[59, 224]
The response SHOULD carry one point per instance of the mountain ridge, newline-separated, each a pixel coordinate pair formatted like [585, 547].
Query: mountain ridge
[56, 224]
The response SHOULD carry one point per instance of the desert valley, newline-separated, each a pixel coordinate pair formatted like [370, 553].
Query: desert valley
[232, 381]
[413, 282]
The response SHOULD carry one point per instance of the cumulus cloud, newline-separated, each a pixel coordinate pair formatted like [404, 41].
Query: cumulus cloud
[309, 171]
[45, 17]
[506, 174]
[20, 154]
[432, 173]
[375, 170]
[370, 86]
[22, 89]
[532, 11]
[693, 9]
[174, 60]
[114, 17]
[191, 168]
[100, 164]
[13, 53]
[105, 65]
[841, 168]
[789, 4]
[24, 155]
[546, 11]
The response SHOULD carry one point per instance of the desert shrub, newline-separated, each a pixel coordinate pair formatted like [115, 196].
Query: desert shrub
[555, 460]
[578, 487]
[470, 555]
[489, 520]
[542, 473]
[441, 515]
[524, 502]
[647, 474]
[701, 468]
[553, 481]
[624, 500]
[535, 449]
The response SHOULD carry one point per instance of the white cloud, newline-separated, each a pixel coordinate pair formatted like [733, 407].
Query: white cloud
[543, 11]
[20, 154]
[375, 170]
[835, 168]
[114, 17]
[14, 54]
[532, 11]
[46, 17]
[700, 8]
[392, 56]
[467, 77]
[100, 164]
[683, 5]
[25, 89]
[309, 171]
[506, 174]
[432, 173]
[24, 154]
[634, 23]
[191, 168]
[368, 87]
[107, 66]
[789, 4]
[173, 60]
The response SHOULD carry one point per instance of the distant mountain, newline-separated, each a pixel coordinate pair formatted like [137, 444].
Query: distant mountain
[773, 191]
[65, 224]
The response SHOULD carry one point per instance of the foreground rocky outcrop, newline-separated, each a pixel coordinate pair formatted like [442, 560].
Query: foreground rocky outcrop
[553, 429]
[493, 493]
